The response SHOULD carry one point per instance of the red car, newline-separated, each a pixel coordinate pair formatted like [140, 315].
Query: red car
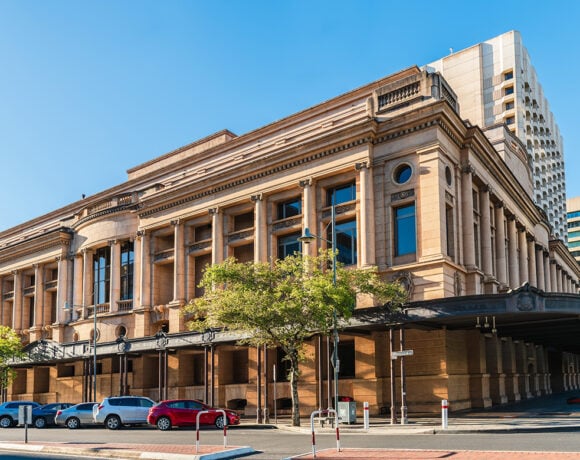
[183, 412]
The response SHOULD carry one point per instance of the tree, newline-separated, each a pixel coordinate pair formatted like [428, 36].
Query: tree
[10, 348]
[284, 303]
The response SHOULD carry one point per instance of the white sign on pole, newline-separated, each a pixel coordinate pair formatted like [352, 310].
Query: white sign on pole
[397, 354]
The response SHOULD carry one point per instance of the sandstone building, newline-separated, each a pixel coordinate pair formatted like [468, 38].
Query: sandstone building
[419, 193]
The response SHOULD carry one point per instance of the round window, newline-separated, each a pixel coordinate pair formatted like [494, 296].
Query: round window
[448, 176]
[403, 174]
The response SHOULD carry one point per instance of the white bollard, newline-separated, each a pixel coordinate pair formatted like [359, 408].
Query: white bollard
[444, 410]
[366, 415]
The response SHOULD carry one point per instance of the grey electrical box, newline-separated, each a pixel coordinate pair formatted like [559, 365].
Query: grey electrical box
[347, 412]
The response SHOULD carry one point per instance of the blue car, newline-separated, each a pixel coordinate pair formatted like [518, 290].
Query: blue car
[43, 416]
[9, 412]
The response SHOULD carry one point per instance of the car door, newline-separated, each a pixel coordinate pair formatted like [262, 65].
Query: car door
[84, 413]
[193, 409]
[142, 409]
[179, 412]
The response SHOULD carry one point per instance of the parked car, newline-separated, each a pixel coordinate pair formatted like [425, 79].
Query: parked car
[116, 411]
[44, 415]
[9, 412]
[183, 412]
[76, 416]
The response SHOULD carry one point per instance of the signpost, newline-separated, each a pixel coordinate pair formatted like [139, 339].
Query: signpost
[399, 354]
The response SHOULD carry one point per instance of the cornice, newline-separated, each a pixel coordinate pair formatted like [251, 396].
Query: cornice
[54, 239]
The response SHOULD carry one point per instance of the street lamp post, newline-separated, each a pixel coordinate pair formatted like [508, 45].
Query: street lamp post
[307, 238]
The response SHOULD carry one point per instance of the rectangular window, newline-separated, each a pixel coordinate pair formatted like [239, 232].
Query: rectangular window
[509, 105]
[243, 221]
[346, 242]
[476, 236]
[405, 231]
[510, 120]
[201, 262]
[202, 233]
[288, 245]
[508, 75]
[101, 273]
[450, 231]
[346, 355]
[508, 90]
[127, 269]
[341, 194]
[290, 208]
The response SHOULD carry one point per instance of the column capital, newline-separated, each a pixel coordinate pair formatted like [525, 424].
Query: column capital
[256, 197]
[467, 168]
[175, 222]
[112, 242]
[140, 233]
[305, 182]
[486, 188]
[213, 211]
[498, 204]
[361, 165]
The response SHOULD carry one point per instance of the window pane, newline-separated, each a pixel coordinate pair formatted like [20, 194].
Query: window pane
[289, 209]
[341, 194]
[346, 242]
[405, 233]
[288, 245]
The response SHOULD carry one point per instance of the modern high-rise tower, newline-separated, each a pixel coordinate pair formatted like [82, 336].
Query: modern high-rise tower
[496, 84]
[573, 205]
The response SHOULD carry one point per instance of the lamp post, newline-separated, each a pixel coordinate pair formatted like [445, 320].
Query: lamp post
[307, 238]
[95, 352]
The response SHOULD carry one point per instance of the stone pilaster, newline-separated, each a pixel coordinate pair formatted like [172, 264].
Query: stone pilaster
[260, 230]
[514, 266]
[500, 246]
[367, 214]
[217, 230]
[308, 213]
[495, 369]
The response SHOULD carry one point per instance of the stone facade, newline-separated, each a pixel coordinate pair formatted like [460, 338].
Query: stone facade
[418, 192]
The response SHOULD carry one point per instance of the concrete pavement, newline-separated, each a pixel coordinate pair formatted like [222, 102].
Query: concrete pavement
[549, 413]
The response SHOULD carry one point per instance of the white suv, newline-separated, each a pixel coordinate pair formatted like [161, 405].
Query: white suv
[116, 411]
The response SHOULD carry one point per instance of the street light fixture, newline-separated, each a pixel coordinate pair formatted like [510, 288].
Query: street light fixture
[308, 238]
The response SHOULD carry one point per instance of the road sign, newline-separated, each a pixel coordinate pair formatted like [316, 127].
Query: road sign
[397, 354]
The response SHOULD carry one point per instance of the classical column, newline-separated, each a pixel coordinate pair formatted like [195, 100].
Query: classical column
[178, 262]
[62, 289]
[514, 266]
[547, 272]
[308, 216]
[17, 313]
[260, 231]
[467, 213]
[115, 275]
[88, 275]
[367, 216]
[559, 278]
[39, 306]
[523, 243]
[532, 275]
[217, 231]
[540, 268]
[145, 269]
[486, 249]
[494, 363]
[553, 276]
[500, 255]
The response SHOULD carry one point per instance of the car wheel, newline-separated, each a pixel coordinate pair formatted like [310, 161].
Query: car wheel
[40, 422]
[219, 422]
[163, 423]
[6, 421]
[73, 423]
[113, 422]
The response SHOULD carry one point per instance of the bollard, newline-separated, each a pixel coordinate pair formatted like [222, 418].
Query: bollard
[323, 412]
[366, 415]
[444, 409]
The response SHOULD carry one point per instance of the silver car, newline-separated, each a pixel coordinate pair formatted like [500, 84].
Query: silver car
[116, 411]
[76, 416]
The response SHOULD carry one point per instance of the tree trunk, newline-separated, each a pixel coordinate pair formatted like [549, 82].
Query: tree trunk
[294, 390]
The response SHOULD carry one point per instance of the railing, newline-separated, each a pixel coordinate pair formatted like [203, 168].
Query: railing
[163, 255]
[29, 290]
[52, 284]
[8, 295]
[125, 305]
[101, 308]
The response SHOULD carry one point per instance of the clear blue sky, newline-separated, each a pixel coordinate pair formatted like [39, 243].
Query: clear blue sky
[89, 89]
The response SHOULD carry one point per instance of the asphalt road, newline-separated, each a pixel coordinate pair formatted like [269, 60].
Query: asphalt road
[275, 444]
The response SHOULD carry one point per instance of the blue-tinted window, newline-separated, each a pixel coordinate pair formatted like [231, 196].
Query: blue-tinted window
[574, 244]
[403, 174]
[405, 232]
[127, 265]
[573, 214]
[346, 241]
[341, 194]
[289, 208]
[101, 273]
[288, 245]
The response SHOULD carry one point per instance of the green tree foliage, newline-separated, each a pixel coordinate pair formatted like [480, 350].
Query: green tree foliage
[284, 303]
[10, 348]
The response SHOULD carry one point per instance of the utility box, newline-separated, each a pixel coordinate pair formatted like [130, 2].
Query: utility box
[347, 411]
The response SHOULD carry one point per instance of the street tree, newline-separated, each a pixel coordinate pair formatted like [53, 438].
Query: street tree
[284, 303]
[10, 348]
